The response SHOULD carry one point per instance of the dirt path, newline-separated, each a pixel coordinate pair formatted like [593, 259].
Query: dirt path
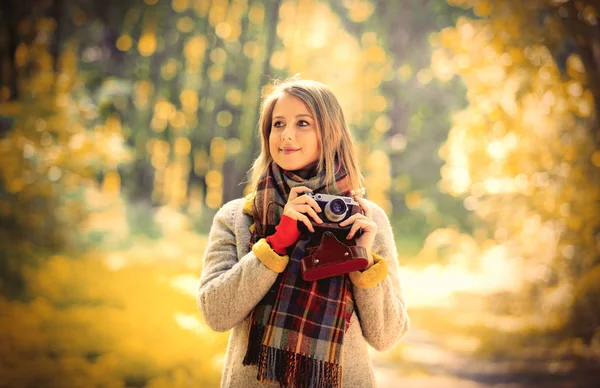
[425, 363]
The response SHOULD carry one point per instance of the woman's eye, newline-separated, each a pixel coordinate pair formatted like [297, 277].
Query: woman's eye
[303, 123]
[277, 124]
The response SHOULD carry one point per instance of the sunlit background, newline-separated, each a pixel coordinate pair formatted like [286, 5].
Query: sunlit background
[125, 125]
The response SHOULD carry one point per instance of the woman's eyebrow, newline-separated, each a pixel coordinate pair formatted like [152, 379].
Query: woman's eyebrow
[300, 115]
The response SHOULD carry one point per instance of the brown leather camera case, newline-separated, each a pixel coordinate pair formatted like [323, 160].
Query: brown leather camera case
[332, 258]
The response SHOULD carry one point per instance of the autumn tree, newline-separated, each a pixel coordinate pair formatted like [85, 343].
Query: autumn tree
[523, 150]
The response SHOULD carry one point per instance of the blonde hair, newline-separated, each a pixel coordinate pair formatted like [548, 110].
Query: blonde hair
[332, 130]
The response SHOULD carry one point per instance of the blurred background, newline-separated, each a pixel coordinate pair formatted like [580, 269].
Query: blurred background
[125, 125]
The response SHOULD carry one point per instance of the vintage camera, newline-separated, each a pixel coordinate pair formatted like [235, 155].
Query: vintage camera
[335, 210]
[329, 253]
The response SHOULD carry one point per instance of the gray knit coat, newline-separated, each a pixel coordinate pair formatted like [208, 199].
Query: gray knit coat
[234, 280]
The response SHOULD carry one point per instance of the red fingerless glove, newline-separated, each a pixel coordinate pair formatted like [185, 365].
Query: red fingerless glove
[286, 234]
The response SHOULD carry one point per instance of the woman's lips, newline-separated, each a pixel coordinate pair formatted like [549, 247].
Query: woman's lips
[288, 151]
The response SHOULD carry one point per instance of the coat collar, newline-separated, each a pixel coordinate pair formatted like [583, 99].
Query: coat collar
[248, 207]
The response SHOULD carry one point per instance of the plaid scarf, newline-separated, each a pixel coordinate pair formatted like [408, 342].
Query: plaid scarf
[297, 329]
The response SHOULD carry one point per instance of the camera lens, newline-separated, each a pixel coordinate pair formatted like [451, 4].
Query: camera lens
[335, 211]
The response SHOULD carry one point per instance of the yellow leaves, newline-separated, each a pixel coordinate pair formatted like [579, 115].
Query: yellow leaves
[375, 54]
[218, 55]
[14, 185]
[575, 67]
[113, 124]
[382, 124]
[174, 187]
[234, 146]
[202, 6]
[163, 109]
[441, 65]
[574, 88]
[194, 49]
[214, 179]
[590, 15]
[223, 30]
[585, 105]
[124, 42]
[218, 12]
[483, 8]
[185, 24]
[413, 200]
[404, 73]
[201, 163]
[256, 13]
[143, 91]
[169, 69]
[360, 10]
[218, 148]
[214, 198]
[111, 185]
[378, 180]
[234, 97]
[466, 29]
[87, 325]
[189, 100]
[180, 5]
[224, 118]
[182, 146]
[147, 43]
[596, 158]
[11, 109]
[491, 75]
[279, 60]
[160, 153]
[377, 103]
[215, 72]
[21, 55]
[424, 76]
[446, 37]
[522, 152]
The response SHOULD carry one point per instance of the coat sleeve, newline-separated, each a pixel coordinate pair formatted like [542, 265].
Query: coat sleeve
[230, 286]
[380, 307]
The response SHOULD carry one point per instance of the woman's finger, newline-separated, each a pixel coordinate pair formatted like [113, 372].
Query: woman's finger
[364, 206]
[305, 208]
[297, 191]
[304, 219]
[352, 219]
[355, 227]
[308, 200]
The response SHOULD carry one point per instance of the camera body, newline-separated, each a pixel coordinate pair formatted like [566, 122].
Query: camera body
[335, 209]
[329, 253]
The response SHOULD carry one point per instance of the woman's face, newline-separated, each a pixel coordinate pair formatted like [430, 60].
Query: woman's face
[293, 142]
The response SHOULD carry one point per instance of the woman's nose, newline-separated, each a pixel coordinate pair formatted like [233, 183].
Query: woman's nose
[287, 133]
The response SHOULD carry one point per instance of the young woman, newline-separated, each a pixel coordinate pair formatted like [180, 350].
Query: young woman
[286, 331]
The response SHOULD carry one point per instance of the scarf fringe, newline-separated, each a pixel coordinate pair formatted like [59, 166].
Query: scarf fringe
[293, 370]
[254, 339]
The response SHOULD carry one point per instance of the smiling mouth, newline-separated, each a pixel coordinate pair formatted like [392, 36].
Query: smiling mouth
[288, 150]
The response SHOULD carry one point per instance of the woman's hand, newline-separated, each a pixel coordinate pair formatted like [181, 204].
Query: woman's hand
[368, 226]
[299, 205]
